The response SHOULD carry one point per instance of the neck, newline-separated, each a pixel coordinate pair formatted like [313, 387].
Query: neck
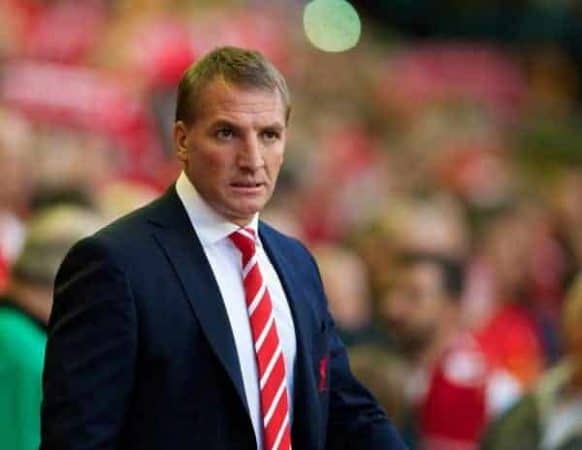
[438, 344]
[34, 300]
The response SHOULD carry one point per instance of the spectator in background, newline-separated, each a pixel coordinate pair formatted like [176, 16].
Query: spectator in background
[549, 418]
[24, 312]
[432, 225]
[15, 185]
[508, 332]
[451, 386]
[346, 283]
[384, 373]
[48, 197]
[567, 207]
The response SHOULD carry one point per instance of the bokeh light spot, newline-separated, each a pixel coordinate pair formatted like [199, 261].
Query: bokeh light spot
[331, 25]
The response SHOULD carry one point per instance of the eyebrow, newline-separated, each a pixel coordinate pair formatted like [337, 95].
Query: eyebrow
[277, 126]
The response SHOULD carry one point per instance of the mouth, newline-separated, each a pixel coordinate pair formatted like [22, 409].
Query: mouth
[247, 187]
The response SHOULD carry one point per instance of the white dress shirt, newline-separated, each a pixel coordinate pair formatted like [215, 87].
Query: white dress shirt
[225, 261]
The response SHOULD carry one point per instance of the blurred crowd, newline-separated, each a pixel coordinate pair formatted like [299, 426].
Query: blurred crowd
[438, 183]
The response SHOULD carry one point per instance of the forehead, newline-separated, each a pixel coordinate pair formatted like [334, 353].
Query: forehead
[224, 101]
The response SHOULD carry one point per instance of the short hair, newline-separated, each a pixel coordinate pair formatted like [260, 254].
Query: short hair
[51, 232]
[46, 197]
[237, 66]
[452, 273]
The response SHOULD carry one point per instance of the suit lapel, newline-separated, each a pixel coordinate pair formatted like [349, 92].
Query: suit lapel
[184, 250]
[306, 420]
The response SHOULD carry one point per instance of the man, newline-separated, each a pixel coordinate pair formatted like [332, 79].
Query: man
[15, 153]
[24, 313]
[189, 324]
[452, 388]
[550, 416]
[508, 329]
[347, 289]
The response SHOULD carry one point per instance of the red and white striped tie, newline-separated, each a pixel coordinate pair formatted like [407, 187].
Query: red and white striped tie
[269, 355]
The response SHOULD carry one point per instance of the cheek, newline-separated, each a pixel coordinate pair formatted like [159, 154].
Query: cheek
[214, 162]
[274, 160]
[214, 158]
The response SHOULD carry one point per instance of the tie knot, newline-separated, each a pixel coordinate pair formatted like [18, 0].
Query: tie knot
[244, 240]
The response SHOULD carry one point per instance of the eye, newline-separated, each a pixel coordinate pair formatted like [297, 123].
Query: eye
[271, 135]
[224, 134]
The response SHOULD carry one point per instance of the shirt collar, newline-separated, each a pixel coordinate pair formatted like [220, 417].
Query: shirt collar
[210, 226]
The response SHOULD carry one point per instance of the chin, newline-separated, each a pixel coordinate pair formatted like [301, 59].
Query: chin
[243, 208]
[242, 215]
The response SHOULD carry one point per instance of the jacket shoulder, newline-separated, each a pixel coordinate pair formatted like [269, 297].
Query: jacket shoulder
[120, 240]
[132, 223]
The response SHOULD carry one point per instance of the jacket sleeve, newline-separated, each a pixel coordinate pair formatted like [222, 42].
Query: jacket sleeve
[90, 354]
[355, 419]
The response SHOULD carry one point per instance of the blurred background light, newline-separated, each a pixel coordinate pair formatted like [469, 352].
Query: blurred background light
[332, 25]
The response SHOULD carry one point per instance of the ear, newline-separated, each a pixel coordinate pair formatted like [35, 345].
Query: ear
[180, 134]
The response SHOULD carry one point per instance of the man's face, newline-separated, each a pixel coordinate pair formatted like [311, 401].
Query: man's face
[233, 150]
[414, 307]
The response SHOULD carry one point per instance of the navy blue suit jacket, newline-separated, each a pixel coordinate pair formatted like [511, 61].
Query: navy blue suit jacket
[140, 353]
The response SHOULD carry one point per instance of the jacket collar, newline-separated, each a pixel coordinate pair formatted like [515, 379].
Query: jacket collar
[210, 226]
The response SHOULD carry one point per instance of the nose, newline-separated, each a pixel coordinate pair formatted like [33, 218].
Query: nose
[250, 155]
